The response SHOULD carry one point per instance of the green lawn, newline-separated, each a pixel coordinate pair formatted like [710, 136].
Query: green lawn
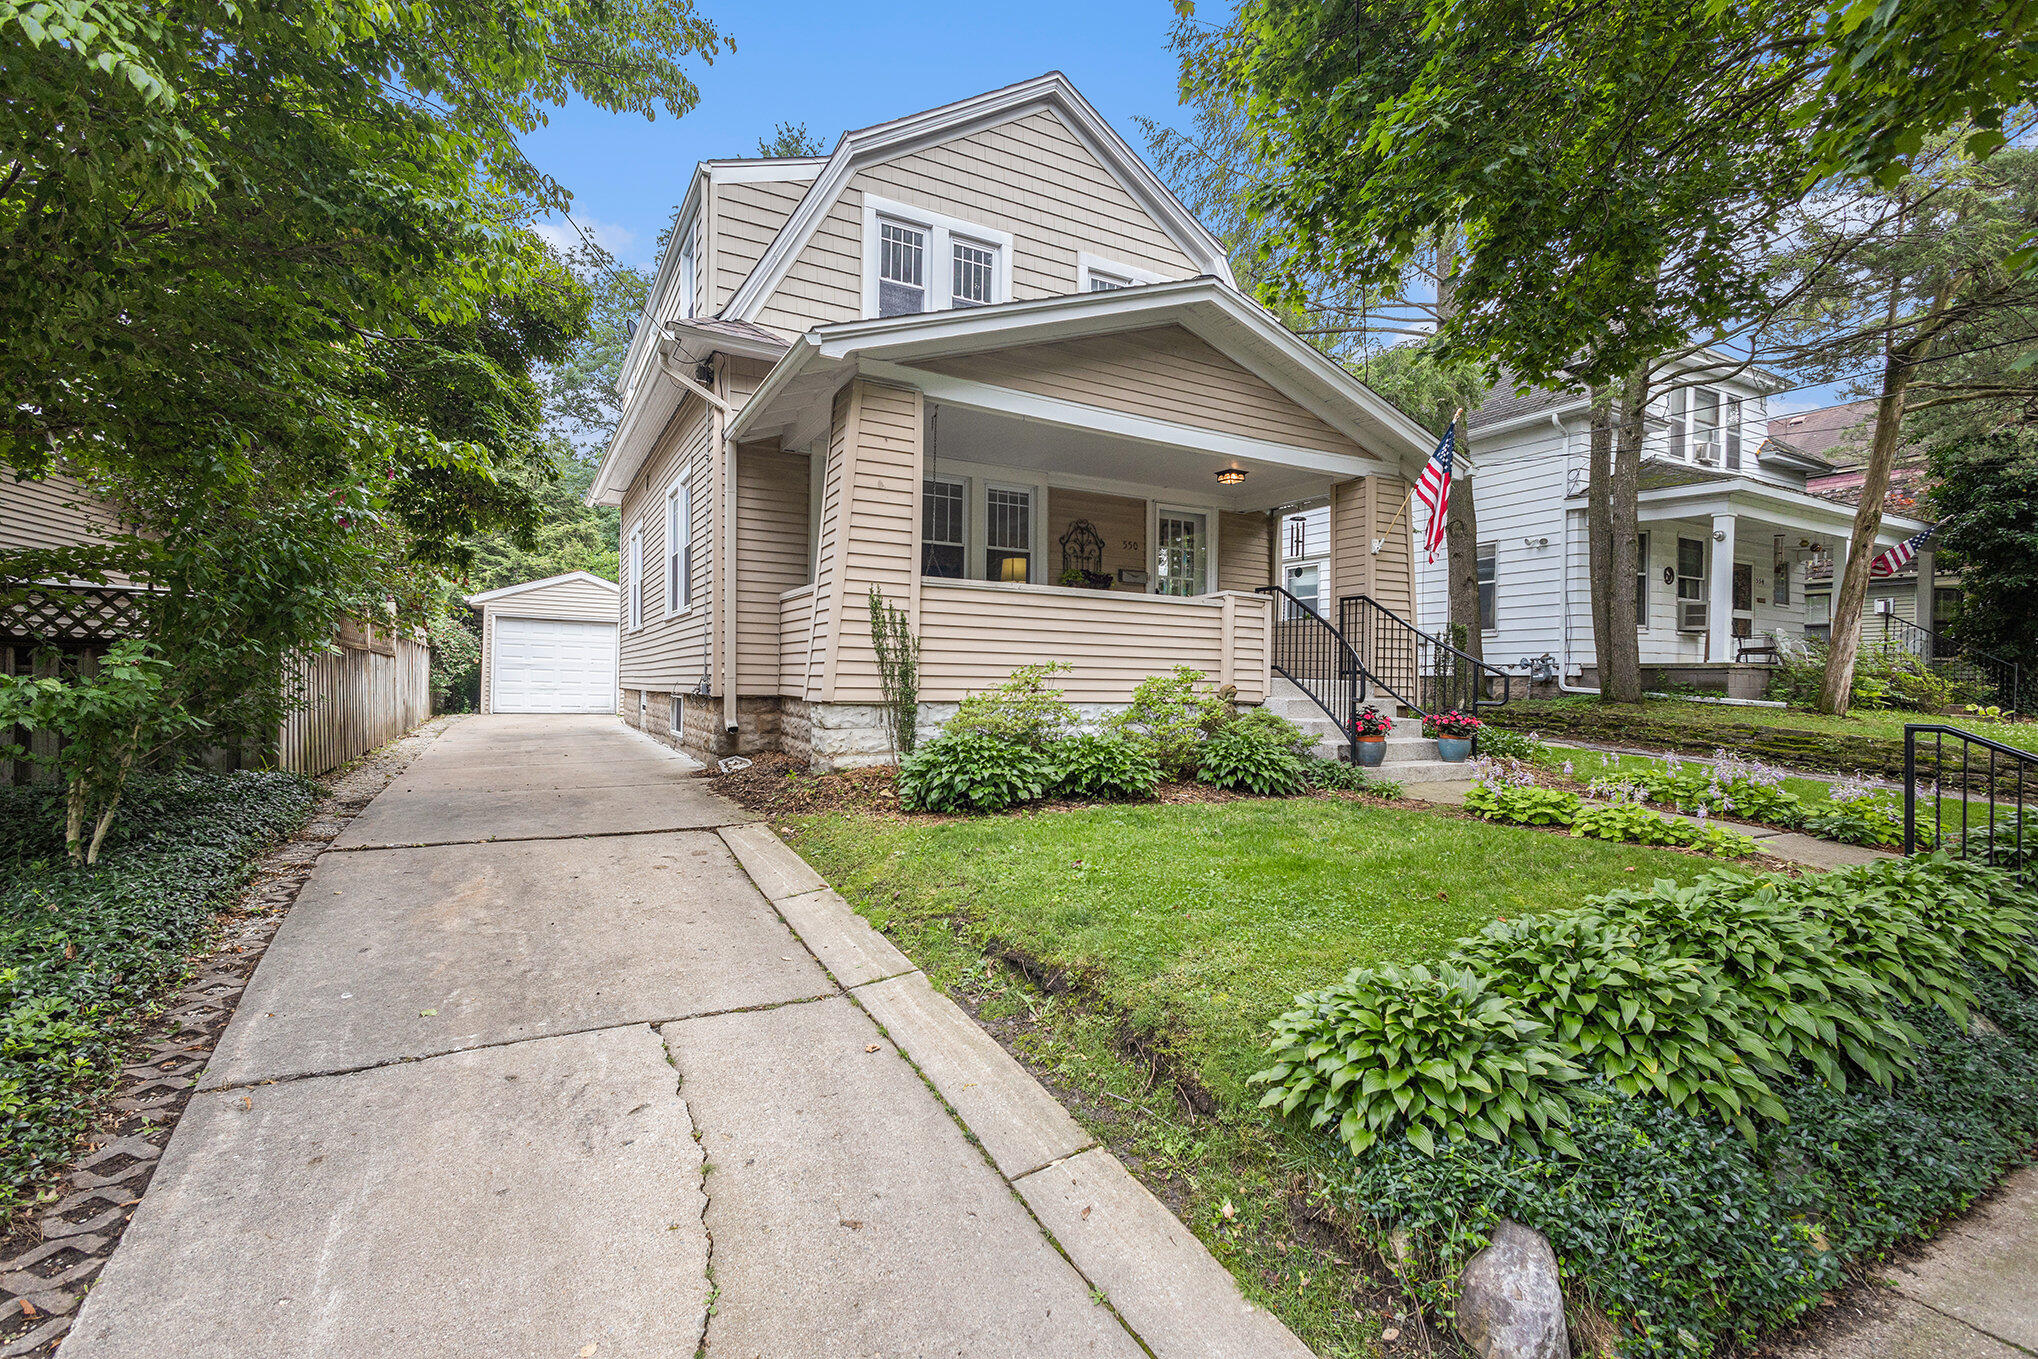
[1883, 724]
[1186, 928]
[1199, 923]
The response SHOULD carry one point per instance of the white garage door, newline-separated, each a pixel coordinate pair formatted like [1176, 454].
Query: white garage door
[552, 665]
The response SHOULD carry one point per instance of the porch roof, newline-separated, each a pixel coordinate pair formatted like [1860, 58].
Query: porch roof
[1796, 511]
[787, 402]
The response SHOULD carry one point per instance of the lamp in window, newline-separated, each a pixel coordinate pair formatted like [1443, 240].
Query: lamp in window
[1012, 570]
[1230, 476]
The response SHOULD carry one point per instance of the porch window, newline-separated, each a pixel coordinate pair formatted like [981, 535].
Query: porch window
[901, 270]
[1690, 585]
[1305, 582]
[1008, 535]
[1744, 587]
[1489, 586]
[1641, 582]
[679, 547]
[976, 275]
[944, 511]
[1183, 560]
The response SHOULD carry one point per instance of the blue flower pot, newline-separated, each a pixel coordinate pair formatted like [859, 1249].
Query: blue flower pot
[1372, 750]
[1454, 749]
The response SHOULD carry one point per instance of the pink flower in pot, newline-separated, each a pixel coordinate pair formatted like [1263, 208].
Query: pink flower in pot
[1369, 731]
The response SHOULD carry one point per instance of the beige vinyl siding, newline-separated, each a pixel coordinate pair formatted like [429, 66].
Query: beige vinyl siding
[1244, 547]
[1119, 520]
[48, 512]
[669, 654]
[1351, 564]
[746, 218]
[796, 641]
[880, 514]
[972, 635]
[827, 557]
[1394, 568]
[771, 541]
[1028, 175]
[576, 599]
[1164, 373]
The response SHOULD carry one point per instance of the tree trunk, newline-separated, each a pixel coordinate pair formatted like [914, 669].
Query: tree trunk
[1461, 541]
[1850, 592]
[1621, 681]
[1599, 530]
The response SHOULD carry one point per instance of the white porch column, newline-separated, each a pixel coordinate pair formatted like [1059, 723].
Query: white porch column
[1719, 609]
[1843, 541]
[1923, 615]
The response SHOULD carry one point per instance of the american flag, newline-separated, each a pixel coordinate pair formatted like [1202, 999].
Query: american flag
[1894, 559]
[1433, 488]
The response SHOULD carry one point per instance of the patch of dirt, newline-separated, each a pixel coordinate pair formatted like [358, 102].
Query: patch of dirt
[48, 1259]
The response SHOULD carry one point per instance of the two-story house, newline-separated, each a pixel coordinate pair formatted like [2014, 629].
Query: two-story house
[1728, 531]
[981, 360]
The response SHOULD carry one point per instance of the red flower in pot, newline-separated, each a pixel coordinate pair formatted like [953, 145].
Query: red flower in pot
[1370, 730]
[1453, 731]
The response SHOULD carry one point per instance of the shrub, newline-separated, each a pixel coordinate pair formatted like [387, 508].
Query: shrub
[1342, 776]
[84, 948]
[1426, 1056]
[1499, 743]
[1625, 821]
[1103, 767]
[1855, 814]
[973, 771]
[1169, 716]
[1743, 788]
[1025, 710]
[1523, 804]
[1252, 757]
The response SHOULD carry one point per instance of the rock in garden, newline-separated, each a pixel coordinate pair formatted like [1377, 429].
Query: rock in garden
[1509, 1302]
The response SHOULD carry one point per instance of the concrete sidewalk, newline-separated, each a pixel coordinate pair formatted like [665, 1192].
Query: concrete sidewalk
[556, 1055]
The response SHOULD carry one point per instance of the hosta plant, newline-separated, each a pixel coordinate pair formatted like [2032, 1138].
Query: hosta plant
[974, 771]
[1856, 814]
[1251, 757]
[1637, 825]
[1104, 767]
[1525, 805]
[1427, 1056]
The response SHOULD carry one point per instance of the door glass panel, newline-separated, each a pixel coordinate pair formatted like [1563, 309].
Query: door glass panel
[1184, 556]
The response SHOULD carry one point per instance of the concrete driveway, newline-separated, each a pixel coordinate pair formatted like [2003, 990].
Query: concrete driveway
[537, 1066]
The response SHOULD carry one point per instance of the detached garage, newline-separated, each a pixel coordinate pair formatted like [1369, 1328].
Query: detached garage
[549, 646]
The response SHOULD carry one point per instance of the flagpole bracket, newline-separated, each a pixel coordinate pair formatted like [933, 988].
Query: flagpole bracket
[1378, 543]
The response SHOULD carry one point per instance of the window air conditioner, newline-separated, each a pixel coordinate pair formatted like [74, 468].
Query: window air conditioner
[1691, 615]
[1708, 451]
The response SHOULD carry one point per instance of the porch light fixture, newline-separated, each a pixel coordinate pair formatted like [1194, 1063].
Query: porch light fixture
[1231, 476]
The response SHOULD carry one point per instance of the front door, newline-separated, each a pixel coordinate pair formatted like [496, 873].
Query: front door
[1744, 601]
[1182, 564]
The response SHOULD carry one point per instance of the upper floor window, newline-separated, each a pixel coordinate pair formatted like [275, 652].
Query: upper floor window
[919, 261]
[1488, 562]
[1705, 426]
[1095, 274]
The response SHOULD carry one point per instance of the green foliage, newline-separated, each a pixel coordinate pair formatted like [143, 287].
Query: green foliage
[1107, 767]
[1986, 489]
[1411, 1053]
[1170, 715]
[1864, 818]
[1884, 677]
[1253, 754]
[897, 653]
[1523, 804]
[1639, 826]
[1499, 743]
[1713, 790]
[1345, 777]
[83, 949]
[1024, 710]
[971, 770]
[456, 663]
[790, 141]
[106, 723]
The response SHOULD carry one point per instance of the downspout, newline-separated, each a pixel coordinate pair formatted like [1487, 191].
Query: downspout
[729, 723]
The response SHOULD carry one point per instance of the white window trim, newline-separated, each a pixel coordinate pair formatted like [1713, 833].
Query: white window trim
[1087, 264]
[980, 521]
[1212, 515]
[941, 232]
[681, 489]
[1484, 552]
[635, 569]
[689, 270]
[972, 521]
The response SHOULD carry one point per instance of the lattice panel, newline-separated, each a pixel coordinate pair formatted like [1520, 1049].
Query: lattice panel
[84, 613]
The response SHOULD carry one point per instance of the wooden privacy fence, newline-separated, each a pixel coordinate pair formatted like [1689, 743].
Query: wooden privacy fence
[355, 697]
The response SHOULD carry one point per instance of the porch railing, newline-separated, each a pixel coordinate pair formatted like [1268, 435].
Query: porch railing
[1953, 660]
[1424, 672]
[1315, 657]
[1977, 791]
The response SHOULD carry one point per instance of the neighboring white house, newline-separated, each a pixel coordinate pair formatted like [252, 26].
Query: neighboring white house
[1727, 532]
[549, 646]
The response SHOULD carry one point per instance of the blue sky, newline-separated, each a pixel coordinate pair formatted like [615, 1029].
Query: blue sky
[839, 66]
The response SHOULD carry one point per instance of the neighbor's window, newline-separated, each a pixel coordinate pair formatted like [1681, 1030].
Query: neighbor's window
[976, 275]
[1641, 581]
[679, 547]
[1677, 404]
[901, 269]
[943, 515]
[1734, 432]
[1488, 586]
[1779, 592]
[1705, 423]
[1306, 584]
[1690, 584]
[1008, 535]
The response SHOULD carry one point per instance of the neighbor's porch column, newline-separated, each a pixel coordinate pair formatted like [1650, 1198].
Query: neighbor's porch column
[1719, 609]
[1923, 615]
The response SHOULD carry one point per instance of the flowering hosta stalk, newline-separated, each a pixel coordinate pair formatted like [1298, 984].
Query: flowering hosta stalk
[1426, 1055]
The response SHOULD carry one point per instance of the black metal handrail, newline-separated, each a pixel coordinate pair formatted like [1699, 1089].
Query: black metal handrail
[2001, 783]
[1314, 656]
[1946, 653]
[1424, 672]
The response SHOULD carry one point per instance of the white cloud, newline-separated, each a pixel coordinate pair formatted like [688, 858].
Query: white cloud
[618, 240]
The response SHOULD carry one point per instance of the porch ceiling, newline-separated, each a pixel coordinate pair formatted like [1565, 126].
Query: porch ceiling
[1078, 457]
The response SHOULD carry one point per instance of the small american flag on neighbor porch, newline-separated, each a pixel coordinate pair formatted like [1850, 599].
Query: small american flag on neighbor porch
[1891, 560]
[1433, 488]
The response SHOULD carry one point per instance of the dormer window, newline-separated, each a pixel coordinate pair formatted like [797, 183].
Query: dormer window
[918, 261]
[1095, 274]
[1704, 426]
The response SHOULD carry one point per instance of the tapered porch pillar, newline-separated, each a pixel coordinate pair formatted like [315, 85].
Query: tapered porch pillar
[1923, 606]
[1719, 611]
